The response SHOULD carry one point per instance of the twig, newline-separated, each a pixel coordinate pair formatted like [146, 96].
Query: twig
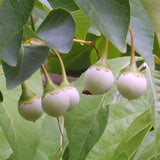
[88, 43]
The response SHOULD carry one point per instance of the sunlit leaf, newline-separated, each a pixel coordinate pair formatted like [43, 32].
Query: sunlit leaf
[82, 24]
[134, 136]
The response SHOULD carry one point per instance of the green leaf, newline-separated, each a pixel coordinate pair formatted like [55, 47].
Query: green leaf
[143, 32]
[134, 136]
[42, 5]
[156, 49]
[50, 140]
[85, 124]
[57, 30]
[147, 150]
[22, 135]
[69, 5]
[122, 114]
[12, 157]
[5, 150]
[29, 60]
[82, 24]
[16, 13]
[152, 8]
[110, 17]
[154, 83]
[10, 52]
[28, 33]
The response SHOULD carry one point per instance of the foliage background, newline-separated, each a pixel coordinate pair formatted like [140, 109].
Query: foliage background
[104, 127]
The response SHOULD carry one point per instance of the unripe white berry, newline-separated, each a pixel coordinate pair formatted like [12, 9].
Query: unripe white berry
[98, 80]
[131, 85]
[73, 96]
[31, 110]
[56, 103]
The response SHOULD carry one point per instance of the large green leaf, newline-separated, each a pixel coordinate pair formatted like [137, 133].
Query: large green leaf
[82, 24]
[122, 114]
[85, 125]
[13, 15]
[22, 135]
[134, 137]
[152, 8]
[29, 60]
[5, 149]
[110, 17]
[143, 32]
[154, 82]
[10, 52]
[69, 5]
[57, 30]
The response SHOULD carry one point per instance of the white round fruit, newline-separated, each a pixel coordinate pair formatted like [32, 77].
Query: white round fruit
[56, 104]
[98, 80]
[132, 85]
[31, 110]
[73, 97]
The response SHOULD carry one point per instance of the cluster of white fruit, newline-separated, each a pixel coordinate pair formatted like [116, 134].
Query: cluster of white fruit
[55, 102]
[98, 79]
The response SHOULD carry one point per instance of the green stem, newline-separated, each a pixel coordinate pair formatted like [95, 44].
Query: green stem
[132, 62]
[64, 76]
[26, 93]
[88, 43]
[103, 57]
[47, 78]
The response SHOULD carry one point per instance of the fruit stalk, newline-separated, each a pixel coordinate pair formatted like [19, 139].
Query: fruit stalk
[61, 137]
[64, 76]
[132, 61]
[48, 80]
[103, 57]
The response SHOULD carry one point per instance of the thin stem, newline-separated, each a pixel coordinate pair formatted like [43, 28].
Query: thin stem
[61, 137]
[48, 80]
[59, 126]
[88, 43]
[132, 62]
[64, 76]
[32, 23]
